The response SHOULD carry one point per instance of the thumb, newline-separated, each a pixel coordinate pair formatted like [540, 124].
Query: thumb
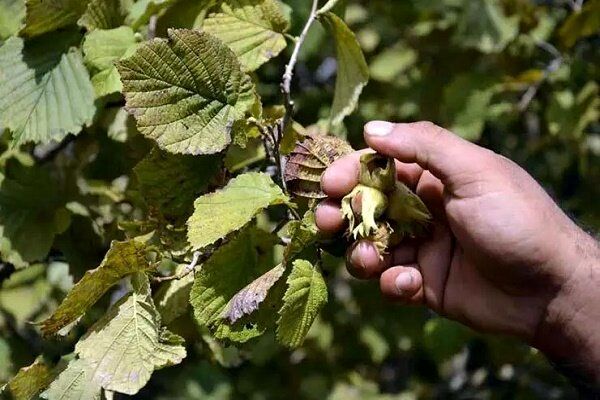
[435, 149]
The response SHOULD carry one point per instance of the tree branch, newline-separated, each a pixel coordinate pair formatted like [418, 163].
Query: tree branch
[188, 270]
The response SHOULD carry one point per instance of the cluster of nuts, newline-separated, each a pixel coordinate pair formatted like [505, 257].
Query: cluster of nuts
[380, 208]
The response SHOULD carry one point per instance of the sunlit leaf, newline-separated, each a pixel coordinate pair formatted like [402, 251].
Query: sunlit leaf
[123, 258]
[229, 209]
[74, 383]
[352, 69]
[12, 13]
[253, 29]
[45, 90]
[101, 49]
[45, 16]
[186, 92]
[127, 344]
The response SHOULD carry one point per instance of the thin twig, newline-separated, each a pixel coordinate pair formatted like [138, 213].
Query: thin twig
[286, 85]
[289, 70]
[188, 270]
[152, 26]
[552, 66]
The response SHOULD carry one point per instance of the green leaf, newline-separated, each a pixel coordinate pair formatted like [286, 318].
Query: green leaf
[30, 381]
[12, 13]
[305, 296]
[238, 157]
[391, 63]
[229, 270]
[45, 90]
[102, 48]
[253, 29]
[466, 102]
[31, 214]
[74, 383]
[352, 69]
[170, 183]
[303, 234]
[25, 294]
[443, 338]
[229, 209]
[127, 344]
[172, 299]
[44, 16]
[186, 92]
[123, 258]
[484, 26]
[6, 364]
[102, 14]
[569, 114]
[141, 11]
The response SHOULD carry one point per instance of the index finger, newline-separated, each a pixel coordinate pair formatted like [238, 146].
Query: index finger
[342, 175]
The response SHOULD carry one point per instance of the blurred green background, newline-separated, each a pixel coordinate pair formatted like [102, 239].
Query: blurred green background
[516, 76]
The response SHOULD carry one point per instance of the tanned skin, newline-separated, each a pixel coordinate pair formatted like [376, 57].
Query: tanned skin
[501, 258]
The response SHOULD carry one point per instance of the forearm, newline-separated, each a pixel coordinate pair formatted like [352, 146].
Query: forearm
[569, 333]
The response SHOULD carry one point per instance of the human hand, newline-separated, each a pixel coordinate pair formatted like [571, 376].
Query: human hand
[501, 257]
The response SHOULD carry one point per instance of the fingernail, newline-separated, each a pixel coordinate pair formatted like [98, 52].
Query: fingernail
[404, 282]
[379, 128]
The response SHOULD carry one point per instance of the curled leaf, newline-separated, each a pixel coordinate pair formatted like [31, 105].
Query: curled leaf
[249, 298]
[309, 160]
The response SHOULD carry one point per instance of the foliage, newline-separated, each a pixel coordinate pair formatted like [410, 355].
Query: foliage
[147, 219]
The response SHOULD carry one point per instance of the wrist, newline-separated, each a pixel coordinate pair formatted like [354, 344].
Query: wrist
[569, 330]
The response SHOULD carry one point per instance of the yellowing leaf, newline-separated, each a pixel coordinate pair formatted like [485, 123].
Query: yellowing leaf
[305, 296]
[127, 344]
[45, 16]
[582, 23]
[30, 381]
[352, 69]
[123, 258]
[186, 92]
[45, 90]
[229, 209]
[232, 268]
[253, 29]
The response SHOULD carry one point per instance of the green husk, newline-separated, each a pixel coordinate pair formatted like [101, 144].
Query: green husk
[381, 209]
